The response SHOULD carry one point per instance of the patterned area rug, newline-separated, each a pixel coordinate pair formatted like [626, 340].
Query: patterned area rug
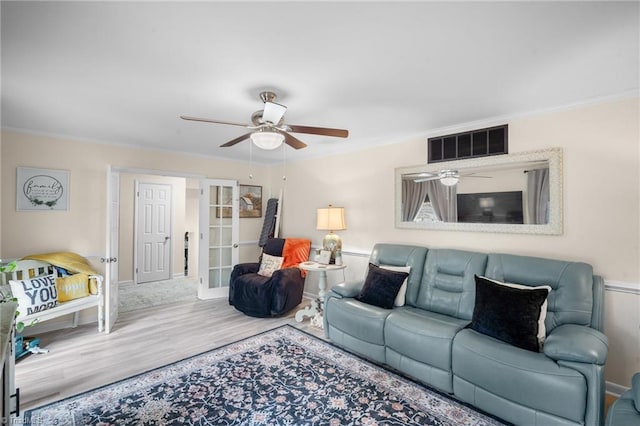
[280, 377]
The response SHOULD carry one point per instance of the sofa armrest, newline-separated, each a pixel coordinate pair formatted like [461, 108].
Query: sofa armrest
[287, 275]
[635, 390]
[287, 288]
[348, 289]
[245, 268]
[578, 343]
[237, 271]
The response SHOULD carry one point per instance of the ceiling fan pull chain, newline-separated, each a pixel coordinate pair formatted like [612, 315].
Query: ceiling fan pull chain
[250, 161]
[284, 163]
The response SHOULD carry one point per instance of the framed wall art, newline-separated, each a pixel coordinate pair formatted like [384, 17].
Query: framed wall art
[250, 201]
[42, 189]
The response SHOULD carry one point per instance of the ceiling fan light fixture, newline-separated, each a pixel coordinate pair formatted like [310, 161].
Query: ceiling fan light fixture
[449, 177]
[266, 139]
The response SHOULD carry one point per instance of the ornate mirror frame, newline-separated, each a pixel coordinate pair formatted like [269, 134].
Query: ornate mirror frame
[552, 155]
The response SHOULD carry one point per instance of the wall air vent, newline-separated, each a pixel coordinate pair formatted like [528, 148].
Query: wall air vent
[474, 143]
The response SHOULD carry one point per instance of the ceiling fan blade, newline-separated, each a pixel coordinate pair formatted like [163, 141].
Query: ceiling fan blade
[292, 141]
[425, 179]
[208, 120]
[476, 175]
[418, 175]
[273, 112]
[325, 131]
[236, 140]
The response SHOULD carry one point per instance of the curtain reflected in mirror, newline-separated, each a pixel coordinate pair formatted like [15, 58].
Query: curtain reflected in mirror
[428, 201]
[512, 190]
[538, 195]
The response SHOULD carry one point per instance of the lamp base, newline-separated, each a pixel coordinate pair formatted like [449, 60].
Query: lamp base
[333, 243]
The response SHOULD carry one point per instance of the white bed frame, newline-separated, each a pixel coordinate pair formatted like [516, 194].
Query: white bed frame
[32, 268]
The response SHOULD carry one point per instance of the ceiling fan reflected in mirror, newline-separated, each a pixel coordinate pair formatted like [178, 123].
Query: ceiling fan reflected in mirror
[447, 177]
[268, 129]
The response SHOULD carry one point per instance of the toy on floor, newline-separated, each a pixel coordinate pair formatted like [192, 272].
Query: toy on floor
[29, 345]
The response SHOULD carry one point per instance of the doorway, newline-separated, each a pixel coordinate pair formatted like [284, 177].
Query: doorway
[121, 223]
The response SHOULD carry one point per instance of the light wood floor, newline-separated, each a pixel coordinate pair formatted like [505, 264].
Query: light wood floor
[81, 359]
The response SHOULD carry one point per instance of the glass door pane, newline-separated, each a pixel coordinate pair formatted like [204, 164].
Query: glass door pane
[219, 236]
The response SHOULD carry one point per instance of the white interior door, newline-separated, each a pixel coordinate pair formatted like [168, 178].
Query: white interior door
[153, 232]
[111, 265]
[219, 232]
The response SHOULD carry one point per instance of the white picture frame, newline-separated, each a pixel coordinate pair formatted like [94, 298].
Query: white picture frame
[42, 189]
[324, 257]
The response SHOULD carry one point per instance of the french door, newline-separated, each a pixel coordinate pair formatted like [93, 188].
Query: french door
[111, 267]
[219, 232]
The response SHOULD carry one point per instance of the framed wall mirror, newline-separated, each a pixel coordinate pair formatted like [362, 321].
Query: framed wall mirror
[514, 193]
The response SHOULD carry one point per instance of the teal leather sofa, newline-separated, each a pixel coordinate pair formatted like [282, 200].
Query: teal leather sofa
[625, 411]
[429, 339]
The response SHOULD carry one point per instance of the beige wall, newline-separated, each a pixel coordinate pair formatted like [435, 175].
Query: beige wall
[598, 141]
[82, 228]
[601, 219]
[601, 223]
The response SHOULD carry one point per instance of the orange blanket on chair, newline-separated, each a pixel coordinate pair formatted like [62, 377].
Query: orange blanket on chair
[294, 252]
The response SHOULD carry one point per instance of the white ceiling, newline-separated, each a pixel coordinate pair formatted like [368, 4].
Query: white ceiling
[121, 72]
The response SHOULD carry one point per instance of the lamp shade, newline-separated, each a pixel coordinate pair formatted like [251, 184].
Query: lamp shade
[266, 139]
[331, 219]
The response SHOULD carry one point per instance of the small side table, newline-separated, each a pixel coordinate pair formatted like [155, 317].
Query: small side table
[314, 310]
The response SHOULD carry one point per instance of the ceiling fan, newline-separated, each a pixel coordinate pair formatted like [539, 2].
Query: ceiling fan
[268, 129]
[447, 177]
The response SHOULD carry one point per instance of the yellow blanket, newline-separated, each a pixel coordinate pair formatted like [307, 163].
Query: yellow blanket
[72, 262]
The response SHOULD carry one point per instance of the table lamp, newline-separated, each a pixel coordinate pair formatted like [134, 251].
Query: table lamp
[331, 219]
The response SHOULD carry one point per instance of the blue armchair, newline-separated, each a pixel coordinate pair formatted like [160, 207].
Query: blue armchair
[625, 411]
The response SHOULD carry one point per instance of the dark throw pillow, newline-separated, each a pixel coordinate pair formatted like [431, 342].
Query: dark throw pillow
[381, 286]
[507, 313]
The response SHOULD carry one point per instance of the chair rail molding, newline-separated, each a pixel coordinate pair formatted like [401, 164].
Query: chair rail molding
[622, 287]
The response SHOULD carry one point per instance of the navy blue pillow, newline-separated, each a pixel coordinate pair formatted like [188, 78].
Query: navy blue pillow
[508, 314]
[381, 286]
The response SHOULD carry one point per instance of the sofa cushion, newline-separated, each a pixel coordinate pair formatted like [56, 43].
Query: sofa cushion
[402, 293]
[381, 286]
[511, 313]
[402, 255]
[571, 297]
[447, 286]
[527, 378]
[422, 335]
[366, 322]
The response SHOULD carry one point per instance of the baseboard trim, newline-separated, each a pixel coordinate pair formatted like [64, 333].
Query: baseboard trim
[615, 389]
[125, 283]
